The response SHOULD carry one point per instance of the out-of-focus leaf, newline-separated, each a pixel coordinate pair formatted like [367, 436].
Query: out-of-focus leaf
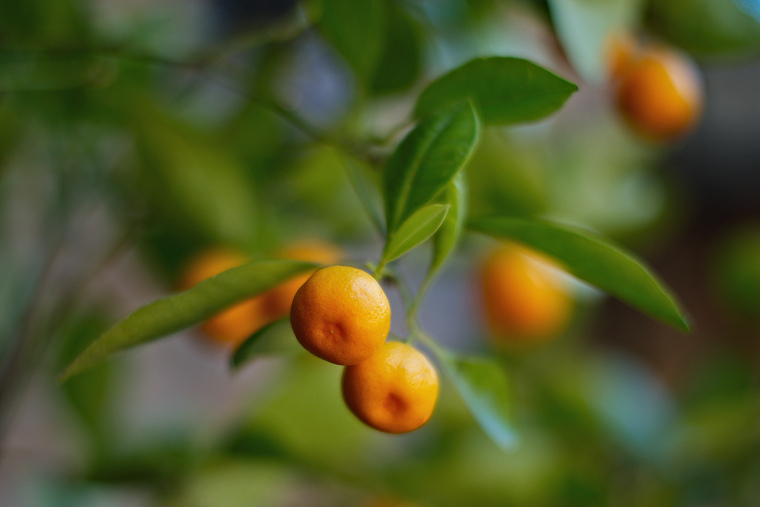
[594, 259]
[503, 90]
[447, 236]
[356, 28]
[737, 272]
[237, 483]
[399, 64]
[427, 160]
[484, 389]
[367, 187]
[194, 178]
[507, 177]
[29, 71]
[587, 27]
[414, 231]
[274, 339]
[89, 394]
[706, 26]
[182, 310]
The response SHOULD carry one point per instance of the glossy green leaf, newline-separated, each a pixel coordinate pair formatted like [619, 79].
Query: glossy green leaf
[594, 259]
[414, 231]
[274, 339]
[182, 310]
[357, 29]
[484, 389]
[447, 236]
[503, 90]
[586, 28]
[427, 160]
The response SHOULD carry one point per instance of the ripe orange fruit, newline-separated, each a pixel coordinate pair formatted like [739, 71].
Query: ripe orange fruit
[233, 325]
[394, 391]
[341, 314]
[522, 295]
[660, 93]
[280, 299]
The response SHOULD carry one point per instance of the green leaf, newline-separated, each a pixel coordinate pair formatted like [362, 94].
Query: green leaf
[414, 231]
[427, 160]
[192, 178]
[447, 236]
[367, 188]
[182, 310]
[483, 387]
[356, 28]
[276, 338]
[594, 259]
[586, 28]
[398, 67]
[706, 27]
[30, 71]
[504, 90]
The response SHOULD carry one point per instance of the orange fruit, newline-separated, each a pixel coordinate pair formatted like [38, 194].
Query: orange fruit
[660, 94]
[341, 314]
[523, 298]
[231, 326]
[394, 391]
[280, 299]
[622, 51]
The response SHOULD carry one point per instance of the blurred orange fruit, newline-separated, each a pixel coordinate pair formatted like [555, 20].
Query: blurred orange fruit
[622, 51]
[522, 295]
[280, 299]
[231, 326]
[394, 391]
[341, 314]
[660, 93]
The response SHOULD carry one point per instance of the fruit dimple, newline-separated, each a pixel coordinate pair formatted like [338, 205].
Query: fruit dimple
[394, 404]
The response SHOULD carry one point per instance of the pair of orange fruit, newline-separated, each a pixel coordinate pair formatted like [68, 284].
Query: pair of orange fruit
[342, 315]
[339, 314]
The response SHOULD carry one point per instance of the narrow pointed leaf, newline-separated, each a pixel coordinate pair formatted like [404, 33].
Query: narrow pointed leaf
[595, 260]
[483, 387]
[274, 339]
[447, 236]
[174, 313]
[503, 90]
[427, 160]
[414, 231]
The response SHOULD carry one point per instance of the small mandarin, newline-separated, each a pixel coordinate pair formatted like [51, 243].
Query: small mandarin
[231, 326]
[280, 299]
[341, 314]
[394, 391]
[523, 299]
[660, 94]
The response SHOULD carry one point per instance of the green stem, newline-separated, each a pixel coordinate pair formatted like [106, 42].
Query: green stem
[378, 273]
[428, 341]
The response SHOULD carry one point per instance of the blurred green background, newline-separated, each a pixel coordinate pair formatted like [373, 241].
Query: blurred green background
[135, 134]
